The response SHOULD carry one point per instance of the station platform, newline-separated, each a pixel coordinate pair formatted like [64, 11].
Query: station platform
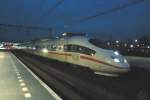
[17, 82]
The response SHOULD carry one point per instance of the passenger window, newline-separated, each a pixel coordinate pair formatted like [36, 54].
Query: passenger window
[79, 49]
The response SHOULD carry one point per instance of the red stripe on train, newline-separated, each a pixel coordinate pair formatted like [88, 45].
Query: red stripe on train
[86, 58]
[65, 54]
[98, 61]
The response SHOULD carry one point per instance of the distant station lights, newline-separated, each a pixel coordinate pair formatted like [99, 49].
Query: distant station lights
[131, 46]
[136, 41]
[108, 43]
[117, 41]
[138, 45]
[125, 44]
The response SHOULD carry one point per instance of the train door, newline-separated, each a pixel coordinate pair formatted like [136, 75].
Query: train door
[64, 56]
[75, 54]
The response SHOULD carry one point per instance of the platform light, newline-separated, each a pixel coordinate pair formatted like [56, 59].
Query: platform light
[24, 89]
[27, 95]
[148, 46]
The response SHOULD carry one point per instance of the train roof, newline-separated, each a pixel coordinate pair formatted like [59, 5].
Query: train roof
[69, 34]
[78, 40]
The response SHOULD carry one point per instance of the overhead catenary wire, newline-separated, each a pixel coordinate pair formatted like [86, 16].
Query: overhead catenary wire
[23, 26]
[49, 10]
[114, 9]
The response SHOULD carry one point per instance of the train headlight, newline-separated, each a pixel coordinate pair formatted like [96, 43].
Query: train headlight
[34, 48]
[116, 60]
[116, 53]
[45, 51]
[125, 61]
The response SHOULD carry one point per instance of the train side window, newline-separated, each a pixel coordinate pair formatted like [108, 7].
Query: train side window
[53, 48]
[68, 48]
[42, 47]
[85, 50]
[65, 48]
[79, 49]
[38, 47]
[50, 47]
[59, 47]
[45, 46]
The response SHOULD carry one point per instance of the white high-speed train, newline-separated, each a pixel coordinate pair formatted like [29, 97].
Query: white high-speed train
[80, 50]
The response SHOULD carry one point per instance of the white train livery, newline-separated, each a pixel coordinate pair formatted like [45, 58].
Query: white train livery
[80, 50]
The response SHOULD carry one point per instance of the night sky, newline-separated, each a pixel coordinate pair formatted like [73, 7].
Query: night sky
[68, 16]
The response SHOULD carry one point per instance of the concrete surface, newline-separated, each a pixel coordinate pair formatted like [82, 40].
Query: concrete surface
[18, 83]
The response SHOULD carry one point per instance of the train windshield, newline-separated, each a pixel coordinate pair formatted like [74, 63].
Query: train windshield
[100, 44]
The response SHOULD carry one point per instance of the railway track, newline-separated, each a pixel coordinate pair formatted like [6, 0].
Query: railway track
[75, 83]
